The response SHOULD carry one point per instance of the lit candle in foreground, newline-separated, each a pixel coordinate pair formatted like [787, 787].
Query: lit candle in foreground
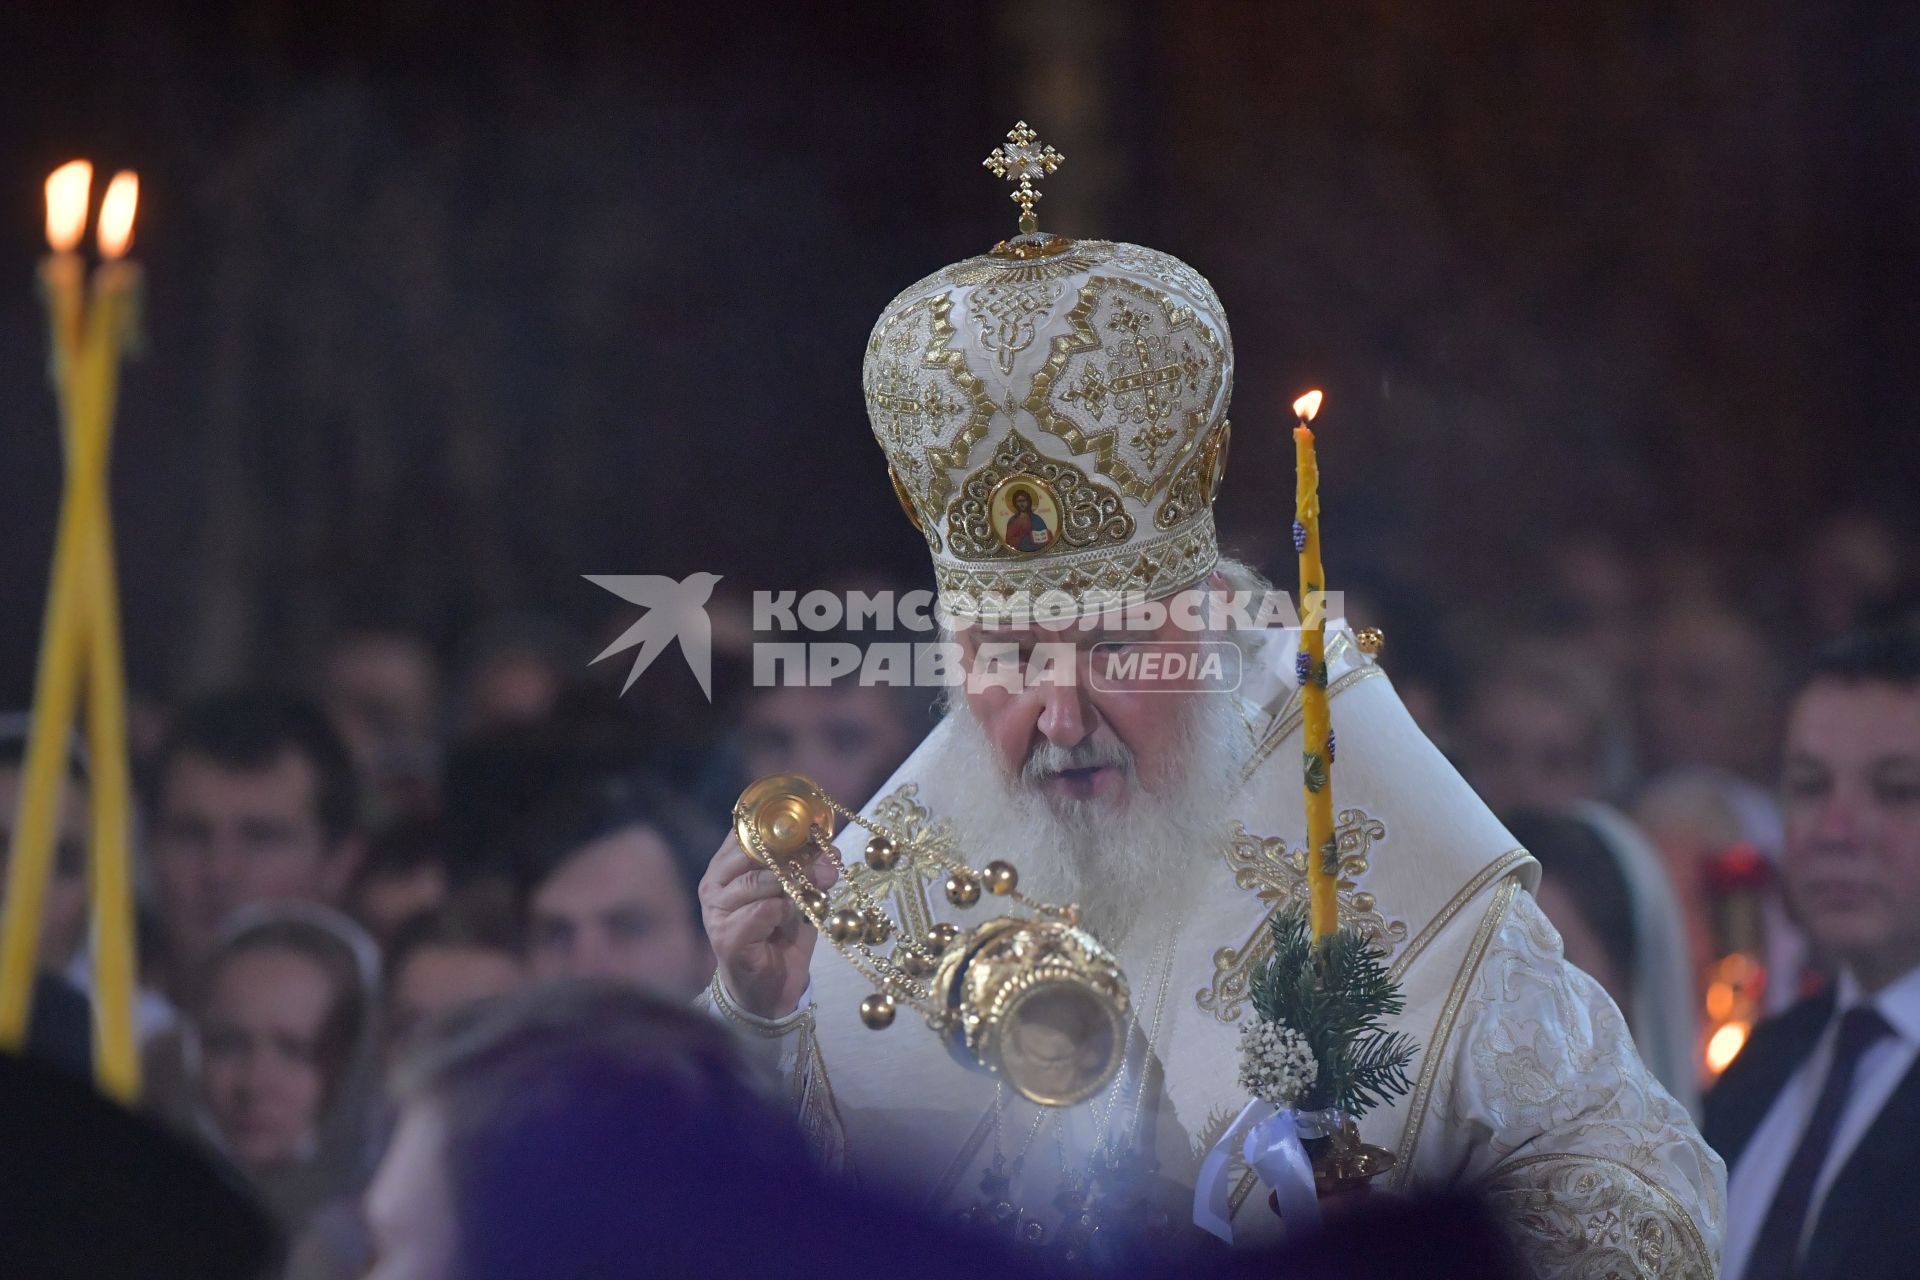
[62, 273]
[116, 214]
[116, 974]
[82, 628]
[68, 189]
[1316, 733]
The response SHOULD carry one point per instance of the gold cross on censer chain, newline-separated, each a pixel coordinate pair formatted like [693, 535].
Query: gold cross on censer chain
[1022, 161]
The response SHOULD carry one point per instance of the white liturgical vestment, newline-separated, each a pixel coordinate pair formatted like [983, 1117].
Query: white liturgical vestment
[1527, 1087]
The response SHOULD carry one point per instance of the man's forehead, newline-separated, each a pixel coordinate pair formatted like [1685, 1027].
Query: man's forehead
[1856, 720]
[289, 768]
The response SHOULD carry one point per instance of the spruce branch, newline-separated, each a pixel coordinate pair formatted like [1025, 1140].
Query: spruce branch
[1337, 996]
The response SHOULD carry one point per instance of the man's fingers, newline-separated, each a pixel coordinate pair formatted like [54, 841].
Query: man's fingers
[760, 920]
[744, 890]
[728, 863]
[823, 873]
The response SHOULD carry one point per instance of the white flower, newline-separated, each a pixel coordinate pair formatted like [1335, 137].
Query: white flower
[1276, 1065]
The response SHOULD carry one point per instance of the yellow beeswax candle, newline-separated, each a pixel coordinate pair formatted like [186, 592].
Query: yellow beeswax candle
[81, 639]
[115, 966]
[1316, 722]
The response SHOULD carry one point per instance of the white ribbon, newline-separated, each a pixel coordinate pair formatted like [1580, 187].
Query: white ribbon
[1272, 1149]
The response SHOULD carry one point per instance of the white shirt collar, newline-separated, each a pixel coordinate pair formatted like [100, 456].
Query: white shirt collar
[1898, 1002]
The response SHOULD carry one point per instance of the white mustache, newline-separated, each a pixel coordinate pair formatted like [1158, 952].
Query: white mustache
[1050, 758]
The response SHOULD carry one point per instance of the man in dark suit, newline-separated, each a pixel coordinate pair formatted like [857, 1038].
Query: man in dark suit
[1819, 1117]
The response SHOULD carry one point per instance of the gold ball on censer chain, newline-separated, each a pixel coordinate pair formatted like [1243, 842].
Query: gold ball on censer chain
[882, 854]
[913, 961]
[941, 936]
[877, 928]
[877, 1011]
[1001, 878]
[811, 902]
[846, 925]
[963, 889]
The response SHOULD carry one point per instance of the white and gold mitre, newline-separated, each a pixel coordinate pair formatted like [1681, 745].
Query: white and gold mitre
[1054, 415]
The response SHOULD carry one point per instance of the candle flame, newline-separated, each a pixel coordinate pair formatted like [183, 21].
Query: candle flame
[116, 213]
[1307, 406]
[67, 190]
[1725, 1046]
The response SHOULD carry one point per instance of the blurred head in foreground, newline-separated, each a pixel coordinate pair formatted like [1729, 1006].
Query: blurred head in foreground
[582, 1129]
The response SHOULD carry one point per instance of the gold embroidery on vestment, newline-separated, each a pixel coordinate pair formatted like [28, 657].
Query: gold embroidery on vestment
[1586, 1216]
[1435, 1050]
[1280, 878]
[923, 842]
[1500, 866]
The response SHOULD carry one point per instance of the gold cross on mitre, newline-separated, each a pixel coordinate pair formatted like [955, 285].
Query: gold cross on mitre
[1024, 159]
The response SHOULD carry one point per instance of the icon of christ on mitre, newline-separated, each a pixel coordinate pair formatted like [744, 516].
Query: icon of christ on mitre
[1096, 375]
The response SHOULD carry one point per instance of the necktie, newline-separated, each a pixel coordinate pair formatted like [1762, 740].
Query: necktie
[1776, 1254]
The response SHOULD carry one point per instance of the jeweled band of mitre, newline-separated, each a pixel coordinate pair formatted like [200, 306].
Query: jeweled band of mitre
[1054, 417]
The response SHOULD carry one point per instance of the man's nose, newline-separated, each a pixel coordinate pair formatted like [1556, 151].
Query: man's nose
[590, 957]
[1066, 714]
[1838, 822]
[254, 1076]
[225, 862]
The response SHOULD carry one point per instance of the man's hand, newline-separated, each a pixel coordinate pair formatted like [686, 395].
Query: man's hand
[761, 940]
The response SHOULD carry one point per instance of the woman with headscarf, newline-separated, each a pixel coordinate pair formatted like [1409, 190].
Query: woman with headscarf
[280, 1053]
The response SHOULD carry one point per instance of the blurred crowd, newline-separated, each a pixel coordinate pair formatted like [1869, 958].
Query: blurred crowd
[357, 890]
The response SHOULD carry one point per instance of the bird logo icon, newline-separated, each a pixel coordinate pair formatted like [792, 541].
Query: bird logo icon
[674, 610]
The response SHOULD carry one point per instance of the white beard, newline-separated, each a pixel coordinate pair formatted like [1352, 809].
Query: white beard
[1124, 864]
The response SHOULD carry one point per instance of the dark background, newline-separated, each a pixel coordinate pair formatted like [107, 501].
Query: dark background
[451, 304]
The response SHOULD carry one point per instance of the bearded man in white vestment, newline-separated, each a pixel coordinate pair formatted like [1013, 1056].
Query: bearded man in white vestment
[1096, 375]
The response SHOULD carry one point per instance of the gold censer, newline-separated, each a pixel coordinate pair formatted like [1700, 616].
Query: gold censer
[1032, 998]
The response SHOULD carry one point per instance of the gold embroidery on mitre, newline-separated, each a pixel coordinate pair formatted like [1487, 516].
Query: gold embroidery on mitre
[1080, 255]
[1198, 483]
[1280, 877]
[1102, 578]
[1091, 515]
[1069, 257]
[914, 517]
[1006, 318]
[1170, 270]
[1132, 381]
[927, 409]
